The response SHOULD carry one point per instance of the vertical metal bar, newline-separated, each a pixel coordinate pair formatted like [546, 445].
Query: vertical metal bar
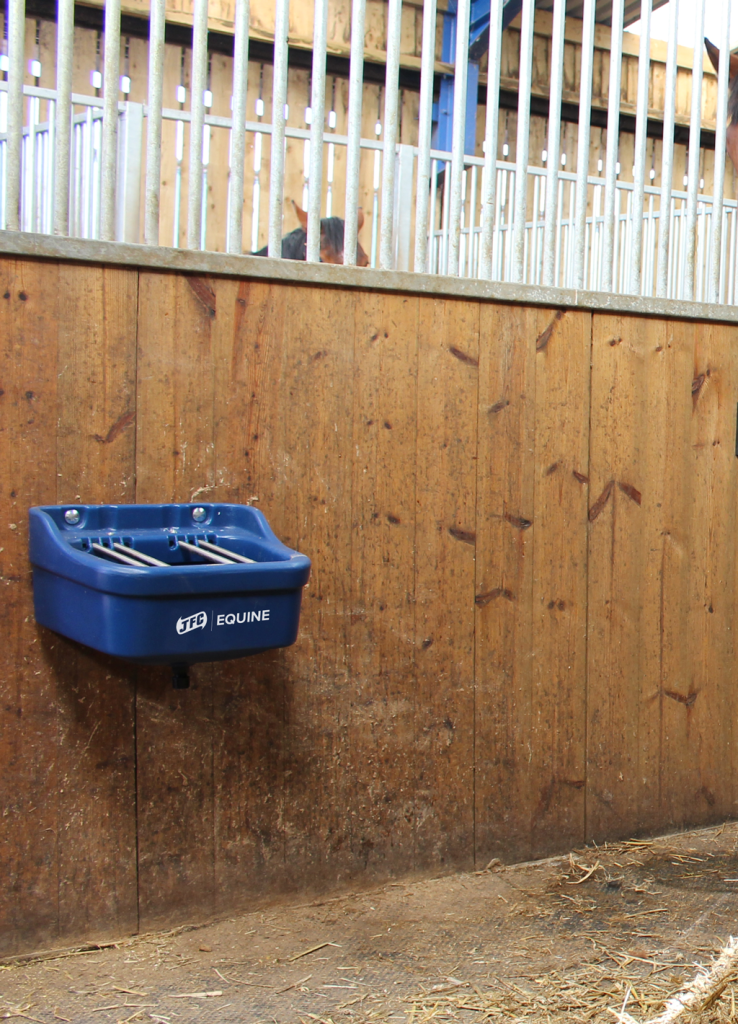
[585, 112]
[471, 258]
[28, 196]
[238, 131]
[128, 206]
[443, 265]
[432, 262]
[317, 103]
[613, 132]
[491, 128]
[537, 206]
[463, 14]
[523, 138]
[179, 156]
[204, 190]
[197, 122]
[153, 122]
[404, 205]
[713, 285]
[279, 100]
[111, 87]
[425, 114]
[554, 140]
[256, 196]
[16, 13]
[63, 121]
[667, 155]
[639, 159]
[375, 208]
[693, 168]
[353, 148]
[730, 297]
[391, 106]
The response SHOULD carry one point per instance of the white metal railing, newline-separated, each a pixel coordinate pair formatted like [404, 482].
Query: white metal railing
[90, 166]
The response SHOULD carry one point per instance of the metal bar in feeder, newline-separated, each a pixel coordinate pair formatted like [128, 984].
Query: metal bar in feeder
[115, 555]
[207, 555]
[132, 553]
[224, 551]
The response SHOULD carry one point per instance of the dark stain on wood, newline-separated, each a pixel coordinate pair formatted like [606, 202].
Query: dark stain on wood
[492, 595]
[708, 795]
[466, 536]
[543, 339]
[681, 698]
[519, 522]
[463, 357]
[242, 303]
[631, 491]
[697, 384]
[544, 802]
[580, 477]
[203, 293]
[601, 501]
[498, 406]
[117, 428]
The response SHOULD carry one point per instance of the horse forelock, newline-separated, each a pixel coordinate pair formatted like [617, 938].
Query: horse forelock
[331, 234]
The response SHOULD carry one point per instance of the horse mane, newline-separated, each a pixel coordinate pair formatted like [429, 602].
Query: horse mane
[733, 101]
[294, 245]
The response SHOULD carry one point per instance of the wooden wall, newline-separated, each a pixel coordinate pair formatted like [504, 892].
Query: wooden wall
[518, 635]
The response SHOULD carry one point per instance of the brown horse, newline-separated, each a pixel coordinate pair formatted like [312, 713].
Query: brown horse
[731, 139]
[294, 245]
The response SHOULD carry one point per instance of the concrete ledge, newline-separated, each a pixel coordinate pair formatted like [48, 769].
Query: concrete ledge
[25, 244]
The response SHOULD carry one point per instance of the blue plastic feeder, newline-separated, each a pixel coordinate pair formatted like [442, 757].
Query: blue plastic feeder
[170, 584]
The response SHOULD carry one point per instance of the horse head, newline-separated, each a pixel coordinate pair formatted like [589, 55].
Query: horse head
[731, 139]
[331, 238]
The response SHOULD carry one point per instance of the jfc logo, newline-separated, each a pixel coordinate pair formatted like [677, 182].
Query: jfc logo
[187, 623]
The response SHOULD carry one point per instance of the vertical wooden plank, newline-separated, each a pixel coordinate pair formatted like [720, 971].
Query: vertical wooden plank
[174, 462]
[28, 708]
[682, 615]
[249, 694]
[698, 619]
[448, 370]
[315, 490]
[531, 580]
[662, 591]
[634, 368]
[381, 735]
[95, 464]
[559, 534]
[504, 791]
[97, 396]
[714, 393]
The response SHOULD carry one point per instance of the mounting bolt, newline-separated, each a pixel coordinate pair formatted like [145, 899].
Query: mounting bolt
[72, 516]
[199, 514]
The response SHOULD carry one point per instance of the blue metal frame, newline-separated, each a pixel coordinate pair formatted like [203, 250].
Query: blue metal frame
[443, 111]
